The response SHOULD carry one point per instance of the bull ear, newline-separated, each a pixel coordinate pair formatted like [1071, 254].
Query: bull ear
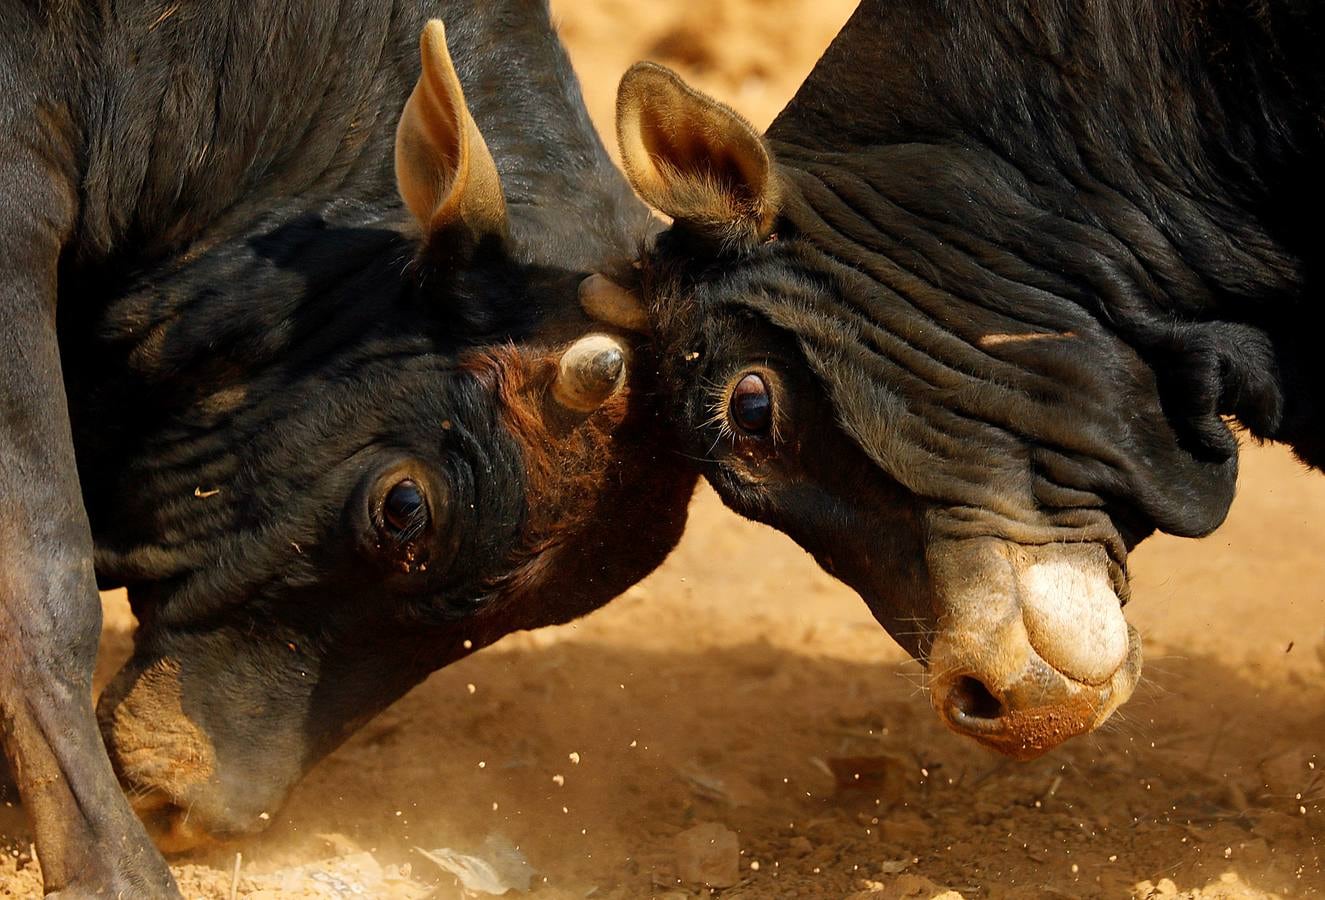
[694, 158]
[444, 171]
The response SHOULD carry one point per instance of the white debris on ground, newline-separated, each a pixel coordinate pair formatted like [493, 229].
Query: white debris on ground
[498, 867]
[905, 887]
[358, 875]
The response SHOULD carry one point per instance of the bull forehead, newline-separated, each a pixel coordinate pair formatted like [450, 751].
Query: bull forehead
[565, 462]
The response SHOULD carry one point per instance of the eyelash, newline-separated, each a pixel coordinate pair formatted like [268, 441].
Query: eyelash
[720, 414]
[418, 521]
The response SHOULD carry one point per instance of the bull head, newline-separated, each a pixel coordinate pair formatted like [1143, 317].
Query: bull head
[952, 432]
[408, 461]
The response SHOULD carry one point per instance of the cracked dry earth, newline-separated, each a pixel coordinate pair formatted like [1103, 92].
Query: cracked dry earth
[742, 687]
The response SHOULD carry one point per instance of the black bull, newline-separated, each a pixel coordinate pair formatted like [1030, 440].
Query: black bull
[328, 442]
[971, 319]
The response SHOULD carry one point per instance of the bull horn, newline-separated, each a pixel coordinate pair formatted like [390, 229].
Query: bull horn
[591, 370]
[603, 300]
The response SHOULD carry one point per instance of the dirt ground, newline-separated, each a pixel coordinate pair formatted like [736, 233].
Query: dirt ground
[732, 684]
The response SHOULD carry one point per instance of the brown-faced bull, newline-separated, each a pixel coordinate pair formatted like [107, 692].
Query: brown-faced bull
[968, 320]
[329, 443]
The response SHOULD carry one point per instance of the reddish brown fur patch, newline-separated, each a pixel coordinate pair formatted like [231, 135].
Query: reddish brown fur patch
[565, 471]
[1028, 733]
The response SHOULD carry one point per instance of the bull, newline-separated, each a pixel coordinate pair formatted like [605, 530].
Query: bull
[974, 316]
[308, 375]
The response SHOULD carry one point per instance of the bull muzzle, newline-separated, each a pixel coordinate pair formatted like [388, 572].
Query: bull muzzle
[1032, 648]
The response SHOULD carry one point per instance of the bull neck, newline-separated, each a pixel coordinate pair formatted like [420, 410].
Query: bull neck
[1163, 121]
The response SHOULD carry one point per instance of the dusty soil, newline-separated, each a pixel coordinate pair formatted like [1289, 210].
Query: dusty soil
[731, 685]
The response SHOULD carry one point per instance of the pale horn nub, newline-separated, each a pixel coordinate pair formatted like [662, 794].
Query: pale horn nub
[603, 300]
[591, 370]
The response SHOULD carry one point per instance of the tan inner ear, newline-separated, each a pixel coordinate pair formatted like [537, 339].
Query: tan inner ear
[444, 170]
[692, 157]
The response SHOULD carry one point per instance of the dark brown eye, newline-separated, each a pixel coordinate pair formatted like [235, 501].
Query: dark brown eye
[405, 511]
[751, 405]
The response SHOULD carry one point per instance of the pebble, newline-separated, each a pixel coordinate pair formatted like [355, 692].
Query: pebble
[800, 846]
[1148, 890]
[905, 887]
[905, 829]
[708, 854]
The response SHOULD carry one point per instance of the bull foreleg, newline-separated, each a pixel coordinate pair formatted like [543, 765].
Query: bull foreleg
[89, 842]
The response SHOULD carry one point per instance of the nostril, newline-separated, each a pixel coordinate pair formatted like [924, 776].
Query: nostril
[970, 700]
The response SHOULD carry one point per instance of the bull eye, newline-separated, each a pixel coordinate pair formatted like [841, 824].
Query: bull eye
[405, 511]
[751, 405]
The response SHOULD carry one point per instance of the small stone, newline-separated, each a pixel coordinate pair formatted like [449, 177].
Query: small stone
[905, 829]
[905, 887]
[708, 854]
[800, 846]
[878, 776]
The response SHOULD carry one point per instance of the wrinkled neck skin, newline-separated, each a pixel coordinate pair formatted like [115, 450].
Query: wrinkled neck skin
[1171, 146]
[1153, 165]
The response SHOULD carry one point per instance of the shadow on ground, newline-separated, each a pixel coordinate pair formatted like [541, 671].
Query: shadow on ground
[591, 756]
